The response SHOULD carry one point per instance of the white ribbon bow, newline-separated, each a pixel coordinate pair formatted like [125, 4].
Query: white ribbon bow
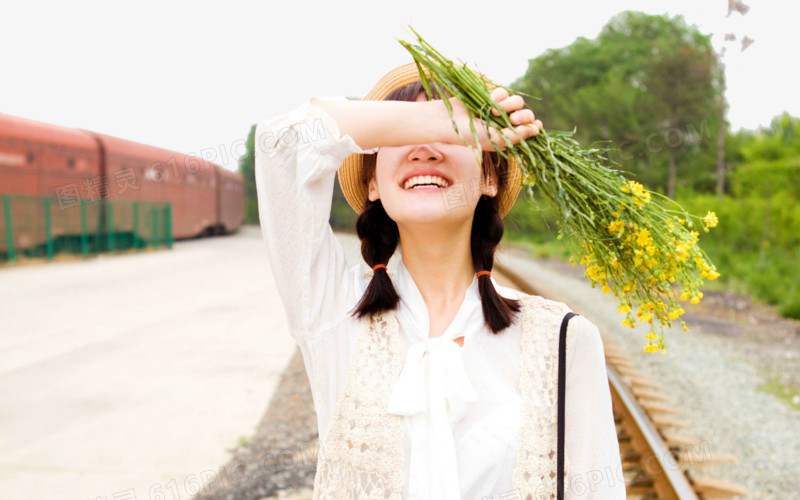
[434, 389]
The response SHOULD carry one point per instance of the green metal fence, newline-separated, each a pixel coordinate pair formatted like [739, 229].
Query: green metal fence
[36, 226]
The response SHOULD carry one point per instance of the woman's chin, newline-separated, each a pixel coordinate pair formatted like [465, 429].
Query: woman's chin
[427, 213]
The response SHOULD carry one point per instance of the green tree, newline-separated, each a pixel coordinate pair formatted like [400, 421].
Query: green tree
[648, 85]
[247, 168]
[771, 169]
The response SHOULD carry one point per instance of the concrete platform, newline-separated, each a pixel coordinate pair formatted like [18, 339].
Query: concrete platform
[129, 377]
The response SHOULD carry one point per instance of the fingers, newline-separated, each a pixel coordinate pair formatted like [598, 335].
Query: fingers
[526, 124]
[522, 117]
[514, 106]
[515, 135]
[508, 103]
[521, 132]
[499, 94]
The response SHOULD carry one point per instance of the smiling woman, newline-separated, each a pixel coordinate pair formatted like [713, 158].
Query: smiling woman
[405, 199]
[432, 382]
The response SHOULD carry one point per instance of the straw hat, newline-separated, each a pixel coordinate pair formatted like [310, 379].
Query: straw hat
[355, 191]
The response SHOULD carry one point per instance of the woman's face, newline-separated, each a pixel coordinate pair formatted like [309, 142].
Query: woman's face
[454, 163]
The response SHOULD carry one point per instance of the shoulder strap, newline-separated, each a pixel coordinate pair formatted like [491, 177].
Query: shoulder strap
[562, 375]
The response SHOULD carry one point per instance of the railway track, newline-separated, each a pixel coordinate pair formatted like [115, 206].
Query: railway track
[656, 459]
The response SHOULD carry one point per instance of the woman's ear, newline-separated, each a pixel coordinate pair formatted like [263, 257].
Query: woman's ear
[372, 189]
[490, 187]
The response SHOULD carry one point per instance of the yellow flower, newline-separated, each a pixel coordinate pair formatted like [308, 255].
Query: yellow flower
[644, 239]
[616, 226]
[624, 308]
[681, 251]
[695, 300]
[711, 219]
[640, 195]
[595, 272]
[606, 289]
[675, 313]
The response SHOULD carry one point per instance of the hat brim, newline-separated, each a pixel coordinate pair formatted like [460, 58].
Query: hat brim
[356, 192]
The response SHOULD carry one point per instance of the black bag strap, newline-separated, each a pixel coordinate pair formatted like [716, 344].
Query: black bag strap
[562, 383]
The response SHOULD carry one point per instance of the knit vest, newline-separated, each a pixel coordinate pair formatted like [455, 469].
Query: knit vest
[362, 455]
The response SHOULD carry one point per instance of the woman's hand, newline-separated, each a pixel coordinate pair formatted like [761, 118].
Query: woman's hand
[523, 119]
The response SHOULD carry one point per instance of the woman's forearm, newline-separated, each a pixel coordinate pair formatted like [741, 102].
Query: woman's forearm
[390, 123]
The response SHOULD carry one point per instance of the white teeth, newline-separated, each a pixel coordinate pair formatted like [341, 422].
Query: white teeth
[425, 179]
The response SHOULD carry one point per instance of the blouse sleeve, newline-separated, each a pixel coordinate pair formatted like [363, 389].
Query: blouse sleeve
[297, 155]
[591, 445]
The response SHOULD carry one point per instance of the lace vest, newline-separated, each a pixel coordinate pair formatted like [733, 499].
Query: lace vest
[362, 455]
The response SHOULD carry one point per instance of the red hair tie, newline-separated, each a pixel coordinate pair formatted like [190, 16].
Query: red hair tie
[481, 273]
[376, 266]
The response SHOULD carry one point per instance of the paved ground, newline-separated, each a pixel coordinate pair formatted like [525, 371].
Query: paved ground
[133, 376]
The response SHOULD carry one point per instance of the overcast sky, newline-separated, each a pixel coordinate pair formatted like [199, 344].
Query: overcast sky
[192, 76]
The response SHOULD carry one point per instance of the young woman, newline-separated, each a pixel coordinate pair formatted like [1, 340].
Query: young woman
[431, 381]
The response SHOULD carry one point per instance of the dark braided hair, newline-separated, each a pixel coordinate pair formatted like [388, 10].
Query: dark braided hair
[379, 238]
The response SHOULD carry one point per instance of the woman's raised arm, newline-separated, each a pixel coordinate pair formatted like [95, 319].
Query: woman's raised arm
[389, 123]
[399, 123]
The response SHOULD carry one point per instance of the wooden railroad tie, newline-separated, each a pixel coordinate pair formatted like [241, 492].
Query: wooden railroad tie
[710, 488]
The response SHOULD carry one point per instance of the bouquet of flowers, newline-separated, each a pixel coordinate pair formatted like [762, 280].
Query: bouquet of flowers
[634, 243]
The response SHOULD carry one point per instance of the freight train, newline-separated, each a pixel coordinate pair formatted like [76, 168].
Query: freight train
[73, 167]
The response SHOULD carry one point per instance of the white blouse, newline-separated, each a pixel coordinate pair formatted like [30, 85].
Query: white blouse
[461, 404]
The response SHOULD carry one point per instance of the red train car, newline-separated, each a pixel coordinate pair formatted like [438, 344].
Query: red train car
[140, 172]
[36, 157]
[40, 159]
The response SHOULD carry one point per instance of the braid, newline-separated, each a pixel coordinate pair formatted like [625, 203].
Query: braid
[487, 229]
[379, 237]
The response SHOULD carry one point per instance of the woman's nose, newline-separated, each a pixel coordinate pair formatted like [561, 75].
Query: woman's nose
[425, 152]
